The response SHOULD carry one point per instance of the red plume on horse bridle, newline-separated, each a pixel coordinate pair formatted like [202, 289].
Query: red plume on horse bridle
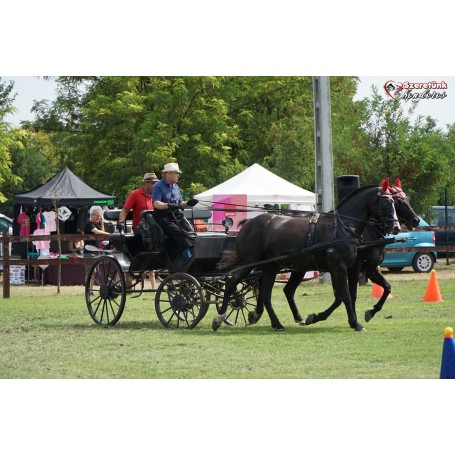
[396, 190]
[385, 185]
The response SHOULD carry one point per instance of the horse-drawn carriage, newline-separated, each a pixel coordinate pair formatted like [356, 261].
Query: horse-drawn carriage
[237, 272]
[186, 289]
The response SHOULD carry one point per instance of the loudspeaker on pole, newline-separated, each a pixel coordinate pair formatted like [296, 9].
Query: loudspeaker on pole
[448, 355]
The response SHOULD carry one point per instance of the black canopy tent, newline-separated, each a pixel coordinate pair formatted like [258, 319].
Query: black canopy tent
[64, 189]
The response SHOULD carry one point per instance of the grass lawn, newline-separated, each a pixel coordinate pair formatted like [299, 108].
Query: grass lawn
[45, 335]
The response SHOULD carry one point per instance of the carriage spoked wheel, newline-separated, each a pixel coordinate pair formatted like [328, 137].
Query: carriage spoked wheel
[105, 291]
[179, 302]
[242, 302]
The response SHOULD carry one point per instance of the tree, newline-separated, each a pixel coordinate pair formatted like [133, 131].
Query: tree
[417, 153]
[9, 137]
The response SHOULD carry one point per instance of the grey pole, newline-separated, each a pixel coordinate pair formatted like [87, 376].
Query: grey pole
[323, 144]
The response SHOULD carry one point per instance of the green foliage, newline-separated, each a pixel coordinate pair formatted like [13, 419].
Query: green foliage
[111, 130]
[419, 154]
[32, 156]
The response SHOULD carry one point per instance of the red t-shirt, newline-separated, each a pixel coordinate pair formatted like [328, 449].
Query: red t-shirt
[24, 220]
[138, 201]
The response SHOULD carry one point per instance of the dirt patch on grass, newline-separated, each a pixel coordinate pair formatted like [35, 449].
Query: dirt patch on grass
[443, 272]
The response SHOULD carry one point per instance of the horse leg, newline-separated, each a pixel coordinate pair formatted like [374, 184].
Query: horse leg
[353, 277]
[323, 315]
[289, 291]
[377, 277]
[268, 280]
[231, 284]
[340, 288]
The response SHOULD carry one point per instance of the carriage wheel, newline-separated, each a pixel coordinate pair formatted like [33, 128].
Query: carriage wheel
[105, 291]
[242, 301]
[179, 302]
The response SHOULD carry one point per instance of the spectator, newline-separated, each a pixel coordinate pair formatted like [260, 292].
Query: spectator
[137, 201]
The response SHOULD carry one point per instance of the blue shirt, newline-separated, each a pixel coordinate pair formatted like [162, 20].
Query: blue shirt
[164, 192]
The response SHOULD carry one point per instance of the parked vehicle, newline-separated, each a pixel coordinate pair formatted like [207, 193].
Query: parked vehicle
[5, 224]
[442, 216]
[420, 261]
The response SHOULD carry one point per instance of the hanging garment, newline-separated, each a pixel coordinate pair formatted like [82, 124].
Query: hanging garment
[24, 221]
[50, 221]
[41, 245]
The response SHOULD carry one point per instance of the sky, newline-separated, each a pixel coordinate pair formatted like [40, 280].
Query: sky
[31, 88]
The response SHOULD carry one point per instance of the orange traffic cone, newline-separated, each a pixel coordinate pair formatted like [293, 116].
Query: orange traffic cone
[448, 355]
[377, 291]
[432, 294]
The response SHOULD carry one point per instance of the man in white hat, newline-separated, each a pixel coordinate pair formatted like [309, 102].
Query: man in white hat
[167, 201]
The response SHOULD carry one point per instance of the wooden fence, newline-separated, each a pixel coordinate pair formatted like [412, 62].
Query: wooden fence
[7, 261]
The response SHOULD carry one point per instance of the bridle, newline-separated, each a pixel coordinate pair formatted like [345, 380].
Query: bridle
[385, 202]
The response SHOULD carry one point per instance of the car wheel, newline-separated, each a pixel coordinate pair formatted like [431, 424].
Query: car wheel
[395, 269]
[423, 262]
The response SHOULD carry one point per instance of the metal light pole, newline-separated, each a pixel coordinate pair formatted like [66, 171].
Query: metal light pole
[323, 144]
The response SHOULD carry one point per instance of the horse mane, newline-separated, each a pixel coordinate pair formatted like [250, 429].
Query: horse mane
[354, 193]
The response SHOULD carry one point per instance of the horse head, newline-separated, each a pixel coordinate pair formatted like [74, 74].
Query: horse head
[388, 219]
[405, 212]
[376, 204]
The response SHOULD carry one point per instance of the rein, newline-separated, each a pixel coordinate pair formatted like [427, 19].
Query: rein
[248, 208]
[317, 246]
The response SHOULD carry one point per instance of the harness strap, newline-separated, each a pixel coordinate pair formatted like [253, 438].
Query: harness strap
[313, 222]
[316, 247]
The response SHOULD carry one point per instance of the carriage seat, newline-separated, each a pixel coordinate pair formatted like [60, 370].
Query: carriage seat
[113, 214]
[153, 236]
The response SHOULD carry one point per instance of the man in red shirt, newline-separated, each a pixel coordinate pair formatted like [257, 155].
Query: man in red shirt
[137, 201]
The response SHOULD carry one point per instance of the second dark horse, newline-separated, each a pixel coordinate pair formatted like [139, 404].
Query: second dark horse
[326, 241]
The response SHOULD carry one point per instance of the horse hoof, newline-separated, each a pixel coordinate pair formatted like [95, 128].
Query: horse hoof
[216, 324]
[369, 315]
[252, 317]
[310, 319]
[359, 328]
[279, 329]
[300, 322]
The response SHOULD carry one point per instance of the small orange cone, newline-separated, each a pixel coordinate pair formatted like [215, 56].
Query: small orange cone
[432, 294]
[377, 291]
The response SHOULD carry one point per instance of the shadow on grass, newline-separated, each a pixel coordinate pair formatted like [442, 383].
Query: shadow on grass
[130, 325]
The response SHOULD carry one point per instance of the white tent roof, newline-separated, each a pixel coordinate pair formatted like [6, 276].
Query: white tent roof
[261, 187]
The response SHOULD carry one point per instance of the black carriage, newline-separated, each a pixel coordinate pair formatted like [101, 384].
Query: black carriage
[187, 288]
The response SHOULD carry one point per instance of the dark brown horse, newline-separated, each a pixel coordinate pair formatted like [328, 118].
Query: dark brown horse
[326, 241]
[369, 257]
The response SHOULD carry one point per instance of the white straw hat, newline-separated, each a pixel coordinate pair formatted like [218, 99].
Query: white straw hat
[171, 167]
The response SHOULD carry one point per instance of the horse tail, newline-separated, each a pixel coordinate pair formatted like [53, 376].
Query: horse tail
[228, 260]
[241, 223]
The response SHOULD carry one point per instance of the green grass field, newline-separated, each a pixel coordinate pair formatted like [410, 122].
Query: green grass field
[45, 335]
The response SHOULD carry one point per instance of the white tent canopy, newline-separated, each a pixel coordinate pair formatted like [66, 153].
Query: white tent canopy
[261, 187]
